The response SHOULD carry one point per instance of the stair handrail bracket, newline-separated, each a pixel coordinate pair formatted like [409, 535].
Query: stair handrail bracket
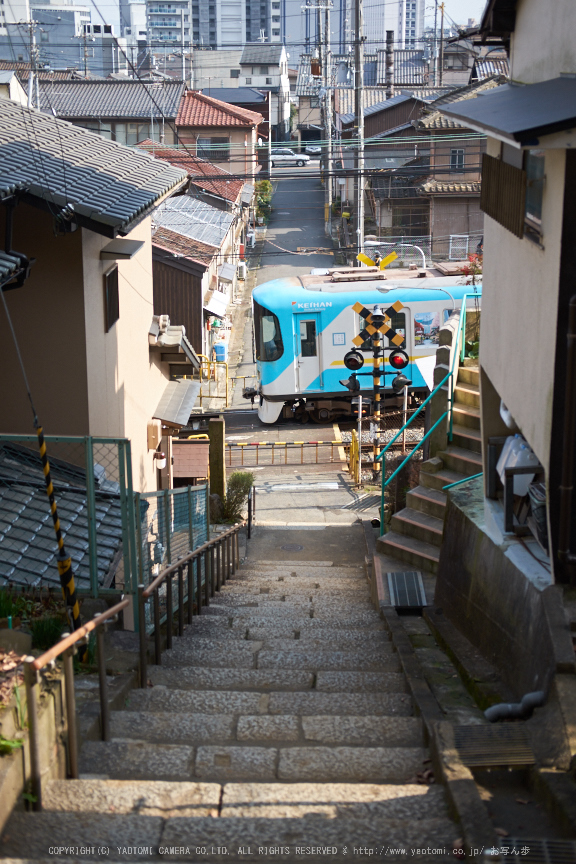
[34, 665]
[447, 381]
[207, 569]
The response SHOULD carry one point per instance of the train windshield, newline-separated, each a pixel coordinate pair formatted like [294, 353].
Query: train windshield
[269, 345]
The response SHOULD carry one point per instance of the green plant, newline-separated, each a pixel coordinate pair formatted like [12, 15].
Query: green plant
[6, 604]
[9, 745]
[46, 631]
[86, 655]
[472, 350]
[237, 491]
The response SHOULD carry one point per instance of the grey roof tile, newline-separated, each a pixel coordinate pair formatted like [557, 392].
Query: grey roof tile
[260, 53]
[107, 183]
[111, 100]
[195, 219]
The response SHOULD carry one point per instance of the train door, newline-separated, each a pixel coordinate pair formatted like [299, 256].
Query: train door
[306, 349]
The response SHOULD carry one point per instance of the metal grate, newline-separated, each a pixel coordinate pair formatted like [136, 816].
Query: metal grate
[493, 746]
[540, 851]
[406, 589]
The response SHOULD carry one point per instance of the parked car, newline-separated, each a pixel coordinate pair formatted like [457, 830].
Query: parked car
[285, 156]
[313, 150]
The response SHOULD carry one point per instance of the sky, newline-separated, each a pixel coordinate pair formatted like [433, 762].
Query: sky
[460, 10]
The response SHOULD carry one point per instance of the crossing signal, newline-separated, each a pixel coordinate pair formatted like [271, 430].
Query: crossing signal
[399, 382]
[398, 359]
[353, 360]
[351, 383]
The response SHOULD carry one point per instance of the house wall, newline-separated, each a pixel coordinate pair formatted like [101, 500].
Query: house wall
[48, 316]
[519, 311]
[179, 295]
[242, 158]
[125, 381]
[543, 44]
[454, 215]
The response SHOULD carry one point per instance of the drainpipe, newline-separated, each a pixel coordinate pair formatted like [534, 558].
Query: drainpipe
[565, 555]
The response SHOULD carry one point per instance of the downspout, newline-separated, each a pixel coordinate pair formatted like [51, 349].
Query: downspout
[566, 488]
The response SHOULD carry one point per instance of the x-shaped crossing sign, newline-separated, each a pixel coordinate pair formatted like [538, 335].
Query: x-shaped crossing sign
[385, 329]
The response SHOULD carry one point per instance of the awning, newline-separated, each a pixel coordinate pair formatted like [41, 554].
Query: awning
[216, 304]
[226, 272]
[247, 193]
[177, 402]
[520, 113]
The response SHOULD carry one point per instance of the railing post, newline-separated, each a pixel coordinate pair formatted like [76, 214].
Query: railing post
[212, 572]
[249, 530]
[134, 522]
[190, 519]
[168, 524]
[180, 602]
[169, 611]
[91, 511]
[237, 536]
[218, 550]
[104, 708]
[31, 682]
[142, 639]
[190, 576]
[157, 634]
[199, 585]
[68, 660]
[206, 556]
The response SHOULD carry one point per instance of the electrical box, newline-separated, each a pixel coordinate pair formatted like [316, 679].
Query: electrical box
[241, 270]
[154, 434]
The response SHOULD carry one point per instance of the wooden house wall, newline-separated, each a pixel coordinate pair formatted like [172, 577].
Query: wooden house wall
[179, 295]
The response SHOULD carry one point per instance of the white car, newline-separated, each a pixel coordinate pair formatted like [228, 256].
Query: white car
[285, 156]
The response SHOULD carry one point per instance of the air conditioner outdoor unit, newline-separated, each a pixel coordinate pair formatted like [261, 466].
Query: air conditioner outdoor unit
[251, 239]
[241, 270]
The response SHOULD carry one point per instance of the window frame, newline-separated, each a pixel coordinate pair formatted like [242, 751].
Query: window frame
[111, 298]
[457, 160]
[535, 182]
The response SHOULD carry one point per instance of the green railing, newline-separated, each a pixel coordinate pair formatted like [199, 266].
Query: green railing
[458, 355]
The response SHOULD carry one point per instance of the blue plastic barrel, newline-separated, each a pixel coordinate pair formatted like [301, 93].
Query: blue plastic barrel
[221, 351]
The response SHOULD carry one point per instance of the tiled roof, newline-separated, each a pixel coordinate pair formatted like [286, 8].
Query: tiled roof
[203, 174]
[199, 110]
[28, 547]
[409, 67]
[489, 67]
[194, 219]
[308, 84]
[23, 70]
[183, 246]
[106, 185]
[344, 100]
[437, 120]
[471, 91]
[235, 95]
[111, 100]
[261, 53]
[443, 187]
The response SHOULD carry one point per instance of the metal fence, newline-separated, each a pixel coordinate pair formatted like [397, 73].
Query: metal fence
[92, 480]
[171, 523]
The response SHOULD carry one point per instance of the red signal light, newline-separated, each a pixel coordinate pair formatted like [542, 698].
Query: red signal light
[398, 359]
[353, 360]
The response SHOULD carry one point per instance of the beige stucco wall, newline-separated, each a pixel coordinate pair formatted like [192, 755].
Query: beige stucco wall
[125, 382]
[519, 311]
[543, 44]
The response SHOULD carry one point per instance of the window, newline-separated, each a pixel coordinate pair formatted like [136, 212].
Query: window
[97, 28]
[234, 73]
[268, 337]
[111, 300]
[44, 36]
[503, 193]
[269, 80]
[456, 160]
[274, 33]
[107, 28]
[397, 322]
[248, 80]
[534, 167]
[308, 338]
[263, 70]
[214, 149]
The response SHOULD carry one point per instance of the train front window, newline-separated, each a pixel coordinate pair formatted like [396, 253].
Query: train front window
[269, 345]
[398, 323]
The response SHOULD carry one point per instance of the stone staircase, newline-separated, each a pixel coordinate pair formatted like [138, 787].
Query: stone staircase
[416, 531]
[280, 719]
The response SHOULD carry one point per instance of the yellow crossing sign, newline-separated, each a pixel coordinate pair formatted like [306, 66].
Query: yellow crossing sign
[385, 329]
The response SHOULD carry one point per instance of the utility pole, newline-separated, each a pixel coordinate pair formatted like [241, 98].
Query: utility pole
[328, 120]
[435, 56]
[389, 69]
[441, 42]
[359, 112]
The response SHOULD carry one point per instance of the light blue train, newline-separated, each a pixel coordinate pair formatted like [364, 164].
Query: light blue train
[303, 327]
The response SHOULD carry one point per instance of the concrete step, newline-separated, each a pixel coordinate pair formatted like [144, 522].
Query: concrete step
[466, 415]
[289, 585]
[374, 660]
[467, 438]
[428, 501]
[356, 642]
[414, 523]
[421, 556]
[239, 654]
[469, 375]
[467, 394]
[231, 679]
[227, 839]
[301, 568]
[145, 798]
[439, 479]
[464, 461]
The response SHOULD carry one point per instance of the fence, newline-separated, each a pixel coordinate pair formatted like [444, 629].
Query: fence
[410, 250]
[278, 453]
[213, 377]
[92, 480]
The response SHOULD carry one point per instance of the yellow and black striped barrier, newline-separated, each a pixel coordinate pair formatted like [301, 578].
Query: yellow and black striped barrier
[64, 560]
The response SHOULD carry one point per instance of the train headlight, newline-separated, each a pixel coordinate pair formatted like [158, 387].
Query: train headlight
[351, 384]
[353, 360]
[398, 359]
[399, 382]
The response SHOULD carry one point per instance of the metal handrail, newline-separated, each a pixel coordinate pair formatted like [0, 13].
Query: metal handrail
[33, 665]
[459, 482]
[218, 568]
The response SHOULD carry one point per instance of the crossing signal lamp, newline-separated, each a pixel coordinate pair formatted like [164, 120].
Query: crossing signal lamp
[398, 359]
[351, 383]
[353, 360]
[399, 382]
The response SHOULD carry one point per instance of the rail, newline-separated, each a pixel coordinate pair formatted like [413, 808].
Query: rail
[33, 665]
[458, 355]
[219, 558]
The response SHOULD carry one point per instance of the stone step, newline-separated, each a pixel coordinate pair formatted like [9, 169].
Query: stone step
[466, 415]
[469, 375]
[231, 679]
[421, 556]
[439, 479]
[241, 599]
[295, 585]
[316, 703]
[239, 654]
[467, 394]
[301, 621]
[326, 573]
[414, 523]
[145, 798]
[467, 438]
[136, 760]
[225, 839]
[160, 699]
[464, 461]
[428, 501]
[335, 642]
[375, 660]
[362, 682]
[283, 612]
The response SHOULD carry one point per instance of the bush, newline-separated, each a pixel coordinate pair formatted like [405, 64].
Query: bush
[46, 631]
[238, 489]
[7, 606]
